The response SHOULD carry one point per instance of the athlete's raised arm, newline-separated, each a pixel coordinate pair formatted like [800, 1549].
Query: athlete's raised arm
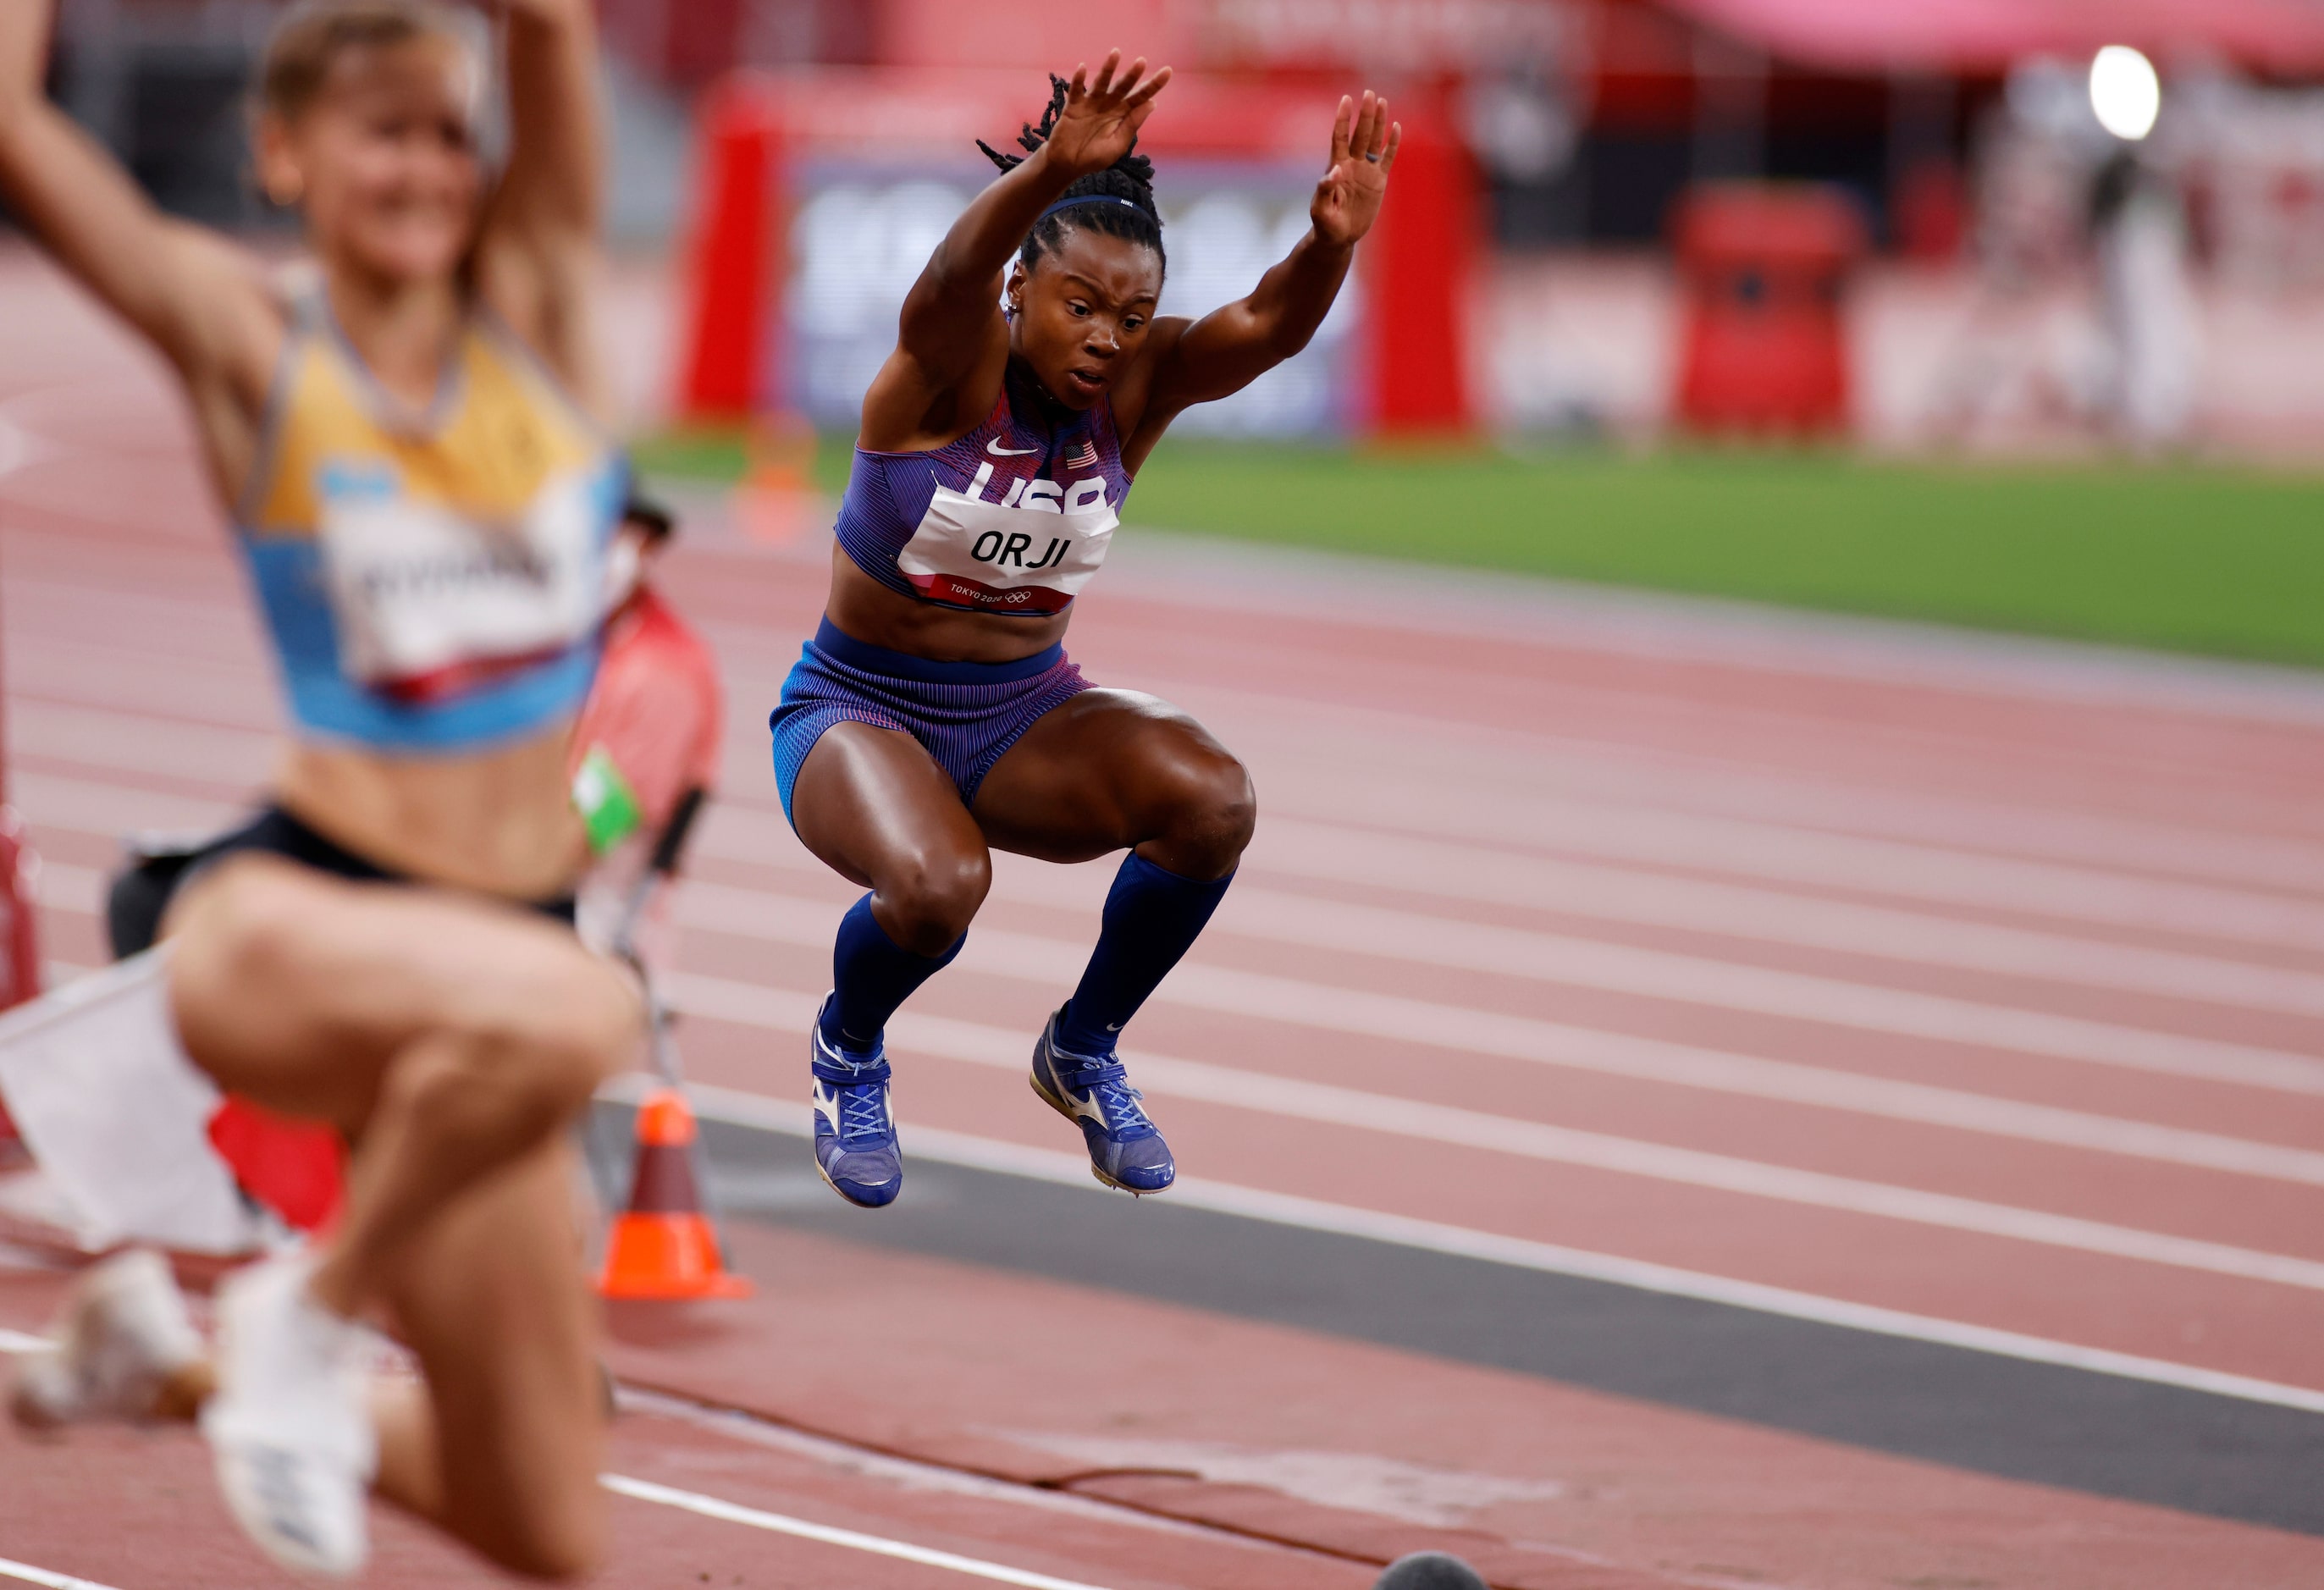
[539, 238]
[952, 328]
[1235, 344]
[198, 297]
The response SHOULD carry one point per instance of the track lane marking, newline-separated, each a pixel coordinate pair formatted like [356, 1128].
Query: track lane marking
[1613, 829]
[996, 952]
[853, 1540]
[1653, 1060]
[738, 831]
[17, 1341]
[1843, 862]
[1567, 961]
[61, 886]
[735, 830]
[46, 1577]
[1681, 782]
[739, 1107]
[782, 1010]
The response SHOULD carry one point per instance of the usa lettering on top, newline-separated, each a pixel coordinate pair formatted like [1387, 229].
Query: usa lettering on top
[1015, 517]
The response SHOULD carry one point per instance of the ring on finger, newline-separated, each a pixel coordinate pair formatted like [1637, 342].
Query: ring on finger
[1373, 157]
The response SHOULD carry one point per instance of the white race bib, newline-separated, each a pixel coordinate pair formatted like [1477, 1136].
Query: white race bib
[417, 589]
[1010, 557]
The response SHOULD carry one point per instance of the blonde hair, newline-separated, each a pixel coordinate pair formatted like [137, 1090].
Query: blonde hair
[308, 41]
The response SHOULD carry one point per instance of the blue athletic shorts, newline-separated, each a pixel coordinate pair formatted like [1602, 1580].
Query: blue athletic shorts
[965, 714]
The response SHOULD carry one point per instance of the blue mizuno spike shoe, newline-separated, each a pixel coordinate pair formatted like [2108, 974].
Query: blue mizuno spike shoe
[854, 1131]
[1125, 1149]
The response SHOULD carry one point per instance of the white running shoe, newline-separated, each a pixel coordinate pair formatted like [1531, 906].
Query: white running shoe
[122, 1333]
[289, 1427]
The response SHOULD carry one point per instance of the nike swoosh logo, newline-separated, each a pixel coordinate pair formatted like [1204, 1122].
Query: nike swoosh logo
[998, 451]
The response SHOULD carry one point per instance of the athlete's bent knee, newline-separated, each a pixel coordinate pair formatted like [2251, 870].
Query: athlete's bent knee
[928, 902]
[515, 1076]
[238, 929]
[574, 1037]
[1207, 813]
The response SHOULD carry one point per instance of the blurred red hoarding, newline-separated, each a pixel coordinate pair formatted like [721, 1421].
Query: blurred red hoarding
[1765, 265]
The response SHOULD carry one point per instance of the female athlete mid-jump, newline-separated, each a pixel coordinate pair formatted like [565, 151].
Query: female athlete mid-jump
[934, 714]
[425, 508]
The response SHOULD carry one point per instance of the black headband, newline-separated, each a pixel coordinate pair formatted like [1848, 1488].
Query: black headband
[1084, 198]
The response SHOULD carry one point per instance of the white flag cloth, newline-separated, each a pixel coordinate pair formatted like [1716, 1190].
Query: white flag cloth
[117, 1115]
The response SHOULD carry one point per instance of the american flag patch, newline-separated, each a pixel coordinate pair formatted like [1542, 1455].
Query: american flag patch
[1083, 457]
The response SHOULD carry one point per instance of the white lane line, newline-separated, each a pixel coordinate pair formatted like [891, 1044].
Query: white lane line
[785, 919]
[736, 831]
[1655, 975]
[102, 675]
[108, 811]
[742, 1108]
[1591, 962]
[1310, 1104]
[16, 1341]
[1579, 769]
[81, 889]
[1686, 979]
[1839, 862]
[46, 1577]
[1528, 821]
[1330, 737]
[1655, 899]
[913, 1473]
[138, 743]
[1586, 963]
[876, 1545]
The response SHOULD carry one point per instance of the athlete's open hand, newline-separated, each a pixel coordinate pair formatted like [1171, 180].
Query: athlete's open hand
[1364, 142]
[1101, 119]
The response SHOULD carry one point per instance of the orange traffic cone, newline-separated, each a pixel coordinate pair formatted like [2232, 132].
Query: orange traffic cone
[662, 1245]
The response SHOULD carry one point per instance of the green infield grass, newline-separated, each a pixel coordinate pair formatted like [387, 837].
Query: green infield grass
[2185, 556]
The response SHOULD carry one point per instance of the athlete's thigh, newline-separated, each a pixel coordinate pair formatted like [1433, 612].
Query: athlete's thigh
[492, 1298]
[1095, 775]
[298, 988]
[873, 806]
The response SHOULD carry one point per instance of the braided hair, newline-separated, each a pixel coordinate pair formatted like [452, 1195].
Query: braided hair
[1130, 180]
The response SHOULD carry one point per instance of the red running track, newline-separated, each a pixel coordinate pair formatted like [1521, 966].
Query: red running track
[1979, 983]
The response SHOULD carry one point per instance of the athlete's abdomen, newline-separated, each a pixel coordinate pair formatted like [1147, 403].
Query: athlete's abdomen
[499, 822]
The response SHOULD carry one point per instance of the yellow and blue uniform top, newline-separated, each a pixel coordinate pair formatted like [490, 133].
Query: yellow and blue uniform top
[434, 581]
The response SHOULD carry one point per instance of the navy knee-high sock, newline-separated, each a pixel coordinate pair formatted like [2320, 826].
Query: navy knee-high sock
[1152, 916]
[871, 974]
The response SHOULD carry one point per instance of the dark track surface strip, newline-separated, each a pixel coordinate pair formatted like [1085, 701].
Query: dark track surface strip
[2043, 1423]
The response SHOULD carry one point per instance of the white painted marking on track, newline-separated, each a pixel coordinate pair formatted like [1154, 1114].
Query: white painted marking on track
[742, 1108]
[1311, 1103]
[1845, 863]
[1416, 865]
[997, 952]
[1413, 866]
[851, 1540]
[46, 1577]
[1611, 830]
[16, 1341]
[1546, 1044]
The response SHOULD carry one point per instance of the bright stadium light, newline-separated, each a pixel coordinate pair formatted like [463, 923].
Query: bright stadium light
[2124, 92]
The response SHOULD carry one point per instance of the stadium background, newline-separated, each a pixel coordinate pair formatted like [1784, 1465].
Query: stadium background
[1964, 470]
